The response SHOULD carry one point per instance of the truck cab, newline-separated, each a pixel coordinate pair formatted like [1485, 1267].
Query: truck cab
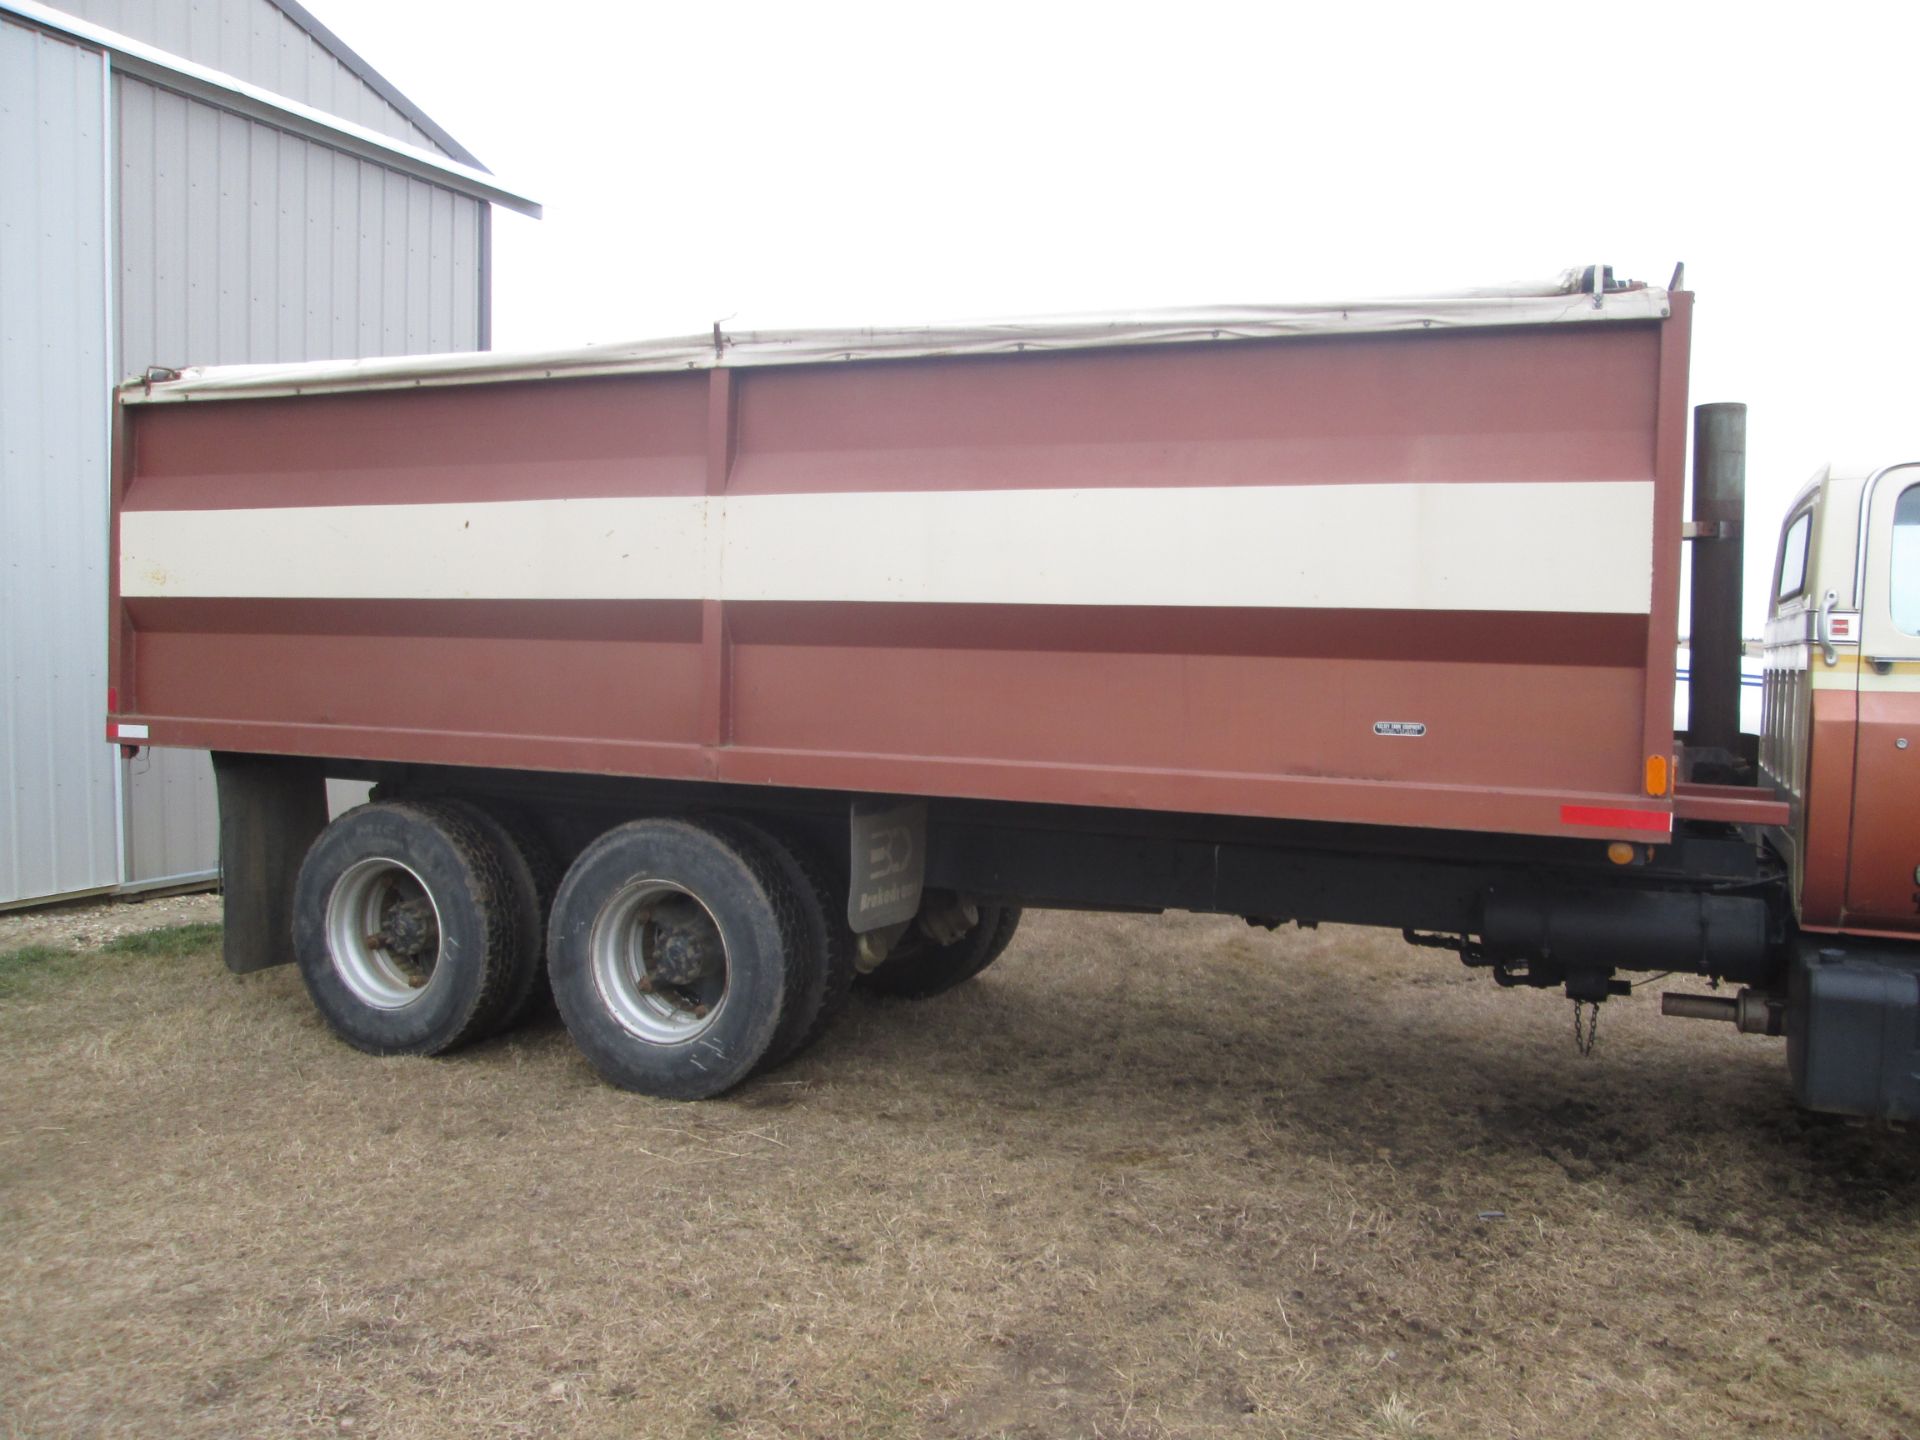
[1841, 721]
[1840, 743]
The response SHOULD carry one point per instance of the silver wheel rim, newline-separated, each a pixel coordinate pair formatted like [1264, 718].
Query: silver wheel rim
[357, 912]
[619, 946]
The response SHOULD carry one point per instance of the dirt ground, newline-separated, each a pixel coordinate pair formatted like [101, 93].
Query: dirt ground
[1145, 1178]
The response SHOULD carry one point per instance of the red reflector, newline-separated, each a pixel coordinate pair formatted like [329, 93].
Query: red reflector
[1603, 817]
[113, 698]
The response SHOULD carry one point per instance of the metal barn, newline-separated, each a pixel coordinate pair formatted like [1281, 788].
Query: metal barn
[181, 181]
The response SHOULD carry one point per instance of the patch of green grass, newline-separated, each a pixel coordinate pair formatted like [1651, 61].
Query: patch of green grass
[31, 962]
[170, 942]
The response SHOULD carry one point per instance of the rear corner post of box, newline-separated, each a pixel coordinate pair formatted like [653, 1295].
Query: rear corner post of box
[271, 809]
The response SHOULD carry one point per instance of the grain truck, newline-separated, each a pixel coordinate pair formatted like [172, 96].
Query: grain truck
[701, 680]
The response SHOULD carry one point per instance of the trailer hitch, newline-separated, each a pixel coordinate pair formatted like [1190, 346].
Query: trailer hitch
[1587, 986]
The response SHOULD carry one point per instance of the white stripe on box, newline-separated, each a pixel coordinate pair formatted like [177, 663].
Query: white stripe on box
[1548, 546]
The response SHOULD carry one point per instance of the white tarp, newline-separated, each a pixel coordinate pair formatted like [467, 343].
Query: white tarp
[1560, 301]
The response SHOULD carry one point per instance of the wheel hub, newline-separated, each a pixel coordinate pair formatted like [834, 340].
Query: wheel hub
[409, 930]
[686, 946]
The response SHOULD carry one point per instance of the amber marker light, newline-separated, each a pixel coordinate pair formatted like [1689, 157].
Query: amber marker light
[1620, 853]
[1656, 774]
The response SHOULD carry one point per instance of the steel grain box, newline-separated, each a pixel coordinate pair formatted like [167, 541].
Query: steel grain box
[1406, 565]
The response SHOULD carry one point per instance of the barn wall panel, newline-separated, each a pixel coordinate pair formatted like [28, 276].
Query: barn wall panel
[57, 827]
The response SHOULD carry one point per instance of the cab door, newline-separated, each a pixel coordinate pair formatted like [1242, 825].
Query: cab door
[1883, 861]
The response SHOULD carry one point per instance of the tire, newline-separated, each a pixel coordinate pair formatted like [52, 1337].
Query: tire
[920, 968]
[1002, 934]
[532, 875]
[531, 853]
[822, 983]
[530, 840]
[669, 950]
[441, 973]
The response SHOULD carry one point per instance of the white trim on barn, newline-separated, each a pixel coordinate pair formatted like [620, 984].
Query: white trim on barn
[201, 82]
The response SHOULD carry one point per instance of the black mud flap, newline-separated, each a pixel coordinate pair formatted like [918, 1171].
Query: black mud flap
[889, 863]
[271, 809]
[1853, 1028]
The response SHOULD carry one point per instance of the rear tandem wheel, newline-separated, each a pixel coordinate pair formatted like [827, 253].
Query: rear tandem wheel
[672, 949]
[415, 926]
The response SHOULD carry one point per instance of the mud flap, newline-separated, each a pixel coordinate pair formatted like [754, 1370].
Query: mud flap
[889, 863]
[271, 810]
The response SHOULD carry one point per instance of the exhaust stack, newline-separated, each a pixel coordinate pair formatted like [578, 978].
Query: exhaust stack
[1719, 520]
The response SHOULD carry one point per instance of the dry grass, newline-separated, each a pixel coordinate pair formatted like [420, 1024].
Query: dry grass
[1148, 1177]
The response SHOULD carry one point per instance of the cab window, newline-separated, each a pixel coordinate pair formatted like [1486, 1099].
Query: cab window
[1792, 569]
[1906, 561]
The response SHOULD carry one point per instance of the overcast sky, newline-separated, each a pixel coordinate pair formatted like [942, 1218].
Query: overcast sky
[845, 164]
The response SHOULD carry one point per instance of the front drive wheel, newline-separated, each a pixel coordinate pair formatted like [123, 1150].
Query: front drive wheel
[669, 948]
[410, 933]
